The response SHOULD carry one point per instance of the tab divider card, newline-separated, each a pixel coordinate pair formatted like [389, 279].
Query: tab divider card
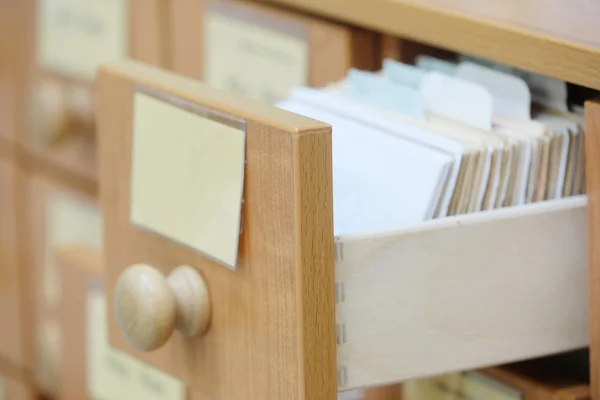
[347, 108]
[467, 188]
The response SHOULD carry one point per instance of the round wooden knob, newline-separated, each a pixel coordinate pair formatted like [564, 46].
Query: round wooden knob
[80, 105]
[149, 307]
[49, 114]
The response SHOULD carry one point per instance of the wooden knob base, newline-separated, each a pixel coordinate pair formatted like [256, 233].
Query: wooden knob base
[149, 307]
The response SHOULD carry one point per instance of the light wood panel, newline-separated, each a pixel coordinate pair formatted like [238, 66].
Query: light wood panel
[592, 156]
[551, 37]
[272, 333]
[461, 293]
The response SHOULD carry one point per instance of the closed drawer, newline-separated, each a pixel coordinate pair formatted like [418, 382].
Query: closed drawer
[65, 43]
[12, 313]
[262, 52]
[89, 369]
[56, 216]
[259, 313]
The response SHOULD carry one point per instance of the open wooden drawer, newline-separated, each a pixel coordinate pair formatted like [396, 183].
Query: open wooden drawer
[452, 294]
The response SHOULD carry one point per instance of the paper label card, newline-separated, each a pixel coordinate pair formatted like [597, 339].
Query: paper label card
[114, 375]
[188, 175]
[252, 59]
[75, 36]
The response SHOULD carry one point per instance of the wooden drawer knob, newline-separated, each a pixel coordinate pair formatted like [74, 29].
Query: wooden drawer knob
[80, 104]
[149, 307]
[49, 113]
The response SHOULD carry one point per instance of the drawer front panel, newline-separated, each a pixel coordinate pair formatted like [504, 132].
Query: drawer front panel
[57, 217]
[263, 309]
[67, 41]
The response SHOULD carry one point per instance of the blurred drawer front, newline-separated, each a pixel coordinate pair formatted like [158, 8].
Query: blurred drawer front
[57, 216]
[68, 40]
[448, 295]
[12, 346]
[263, 52]
[89, 368]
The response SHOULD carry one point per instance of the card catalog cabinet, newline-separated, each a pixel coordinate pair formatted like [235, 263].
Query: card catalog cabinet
[89, 369]
[13, 340]
[56, 216]
[263, 52]
[286, 309]
[66, 41]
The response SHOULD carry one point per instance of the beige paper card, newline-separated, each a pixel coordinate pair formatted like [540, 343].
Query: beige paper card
[251, 59]
[75, 36]
[114, 375]
[188, 176]
[69, 221]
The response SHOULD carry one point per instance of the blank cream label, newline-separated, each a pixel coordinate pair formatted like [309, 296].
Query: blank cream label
[75, 36]
[188, 176]
[69, 221]
[114, 375]
[251, 60]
